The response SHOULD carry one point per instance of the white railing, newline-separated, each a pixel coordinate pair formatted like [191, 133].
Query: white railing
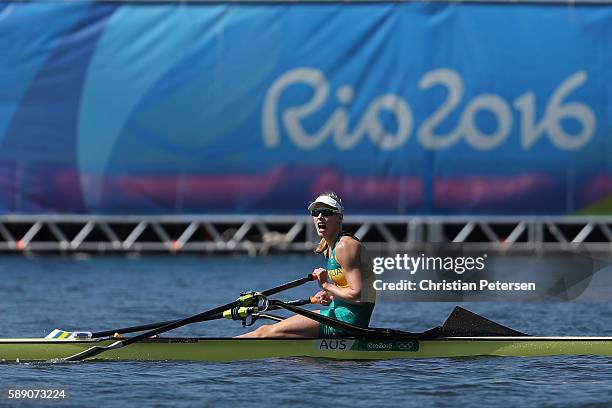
[261, 235]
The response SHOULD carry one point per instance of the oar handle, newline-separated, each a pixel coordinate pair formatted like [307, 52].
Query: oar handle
[299, 302]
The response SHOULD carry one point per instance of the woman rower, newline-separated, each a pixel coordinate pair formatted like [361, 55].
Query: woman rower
[350, 294]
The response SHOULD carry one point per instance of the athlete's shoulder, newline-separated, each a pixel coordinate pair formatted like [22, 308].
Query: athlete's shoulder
[348, 244]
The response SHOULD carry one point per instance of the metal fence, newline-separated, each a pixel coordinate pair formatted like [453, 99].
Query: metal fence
[263, 235]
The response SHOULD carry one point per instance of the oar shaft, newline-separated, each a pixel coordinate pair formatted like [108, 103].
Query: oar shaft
[151, 326]
[131, 329]
[289, 285]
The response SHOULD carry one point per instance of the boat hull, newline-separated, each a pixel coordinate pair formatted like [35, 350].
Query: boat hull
[211, 349]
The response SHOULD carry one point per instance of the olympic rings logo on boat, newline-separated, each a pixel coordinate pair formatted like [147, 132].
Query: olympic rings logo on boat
[405, 345]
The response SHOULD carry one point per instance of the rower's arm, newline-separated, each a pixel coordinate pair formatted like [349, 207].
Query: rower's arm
[348, 255]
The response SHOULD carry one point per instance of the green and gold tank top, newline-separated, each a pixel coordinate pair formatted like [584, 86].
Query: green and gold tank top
[336, 274]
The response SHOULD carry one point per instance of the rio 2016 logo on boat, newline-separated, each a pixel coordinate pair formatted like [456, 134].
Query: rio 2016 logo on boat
[392, 345]
[366, 345]
[531, 130]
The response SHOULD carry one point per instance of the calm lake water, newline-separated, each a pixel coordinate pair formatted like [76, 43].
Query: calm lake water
[42, 293]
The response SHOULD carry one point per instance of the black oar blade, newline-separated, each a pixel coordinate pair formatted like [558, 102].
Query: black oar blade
[463, 323]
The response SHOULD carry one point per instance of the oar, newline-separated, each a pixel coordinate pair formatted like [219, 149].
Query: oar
[132, 329]
[244, 300]
[460, 323]
[70, 335]
[66, 335]
[350, 328]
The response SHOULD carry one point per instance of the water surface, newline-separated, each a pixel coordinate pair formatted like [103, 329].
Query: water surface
[41, 293]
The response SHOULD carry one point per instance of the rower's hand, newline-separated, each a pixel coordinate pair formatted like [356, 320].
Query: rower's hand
[320, 275]
[323, 298]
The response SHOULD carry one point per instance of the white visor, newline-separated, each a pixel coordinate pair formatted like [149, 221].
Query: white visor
[327, 200]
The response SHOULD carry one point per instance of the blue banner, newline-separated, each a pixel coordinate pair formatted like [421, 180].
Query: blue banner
[401, 108]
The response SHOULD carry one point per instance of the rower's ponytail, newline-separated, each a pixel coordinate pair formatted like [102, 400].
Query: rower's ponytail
[321, 246]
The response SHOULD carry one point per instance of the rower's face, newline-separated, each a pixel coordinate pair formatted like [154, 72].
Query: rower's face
[326, 221]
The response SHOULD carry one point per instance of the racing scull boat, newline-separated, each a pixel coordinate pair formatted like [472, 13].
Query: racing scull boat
[463, 334]
[349, 348]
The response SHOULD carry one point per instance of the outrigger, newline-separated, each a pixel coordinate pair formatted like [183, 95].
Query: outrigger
[463, 334]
